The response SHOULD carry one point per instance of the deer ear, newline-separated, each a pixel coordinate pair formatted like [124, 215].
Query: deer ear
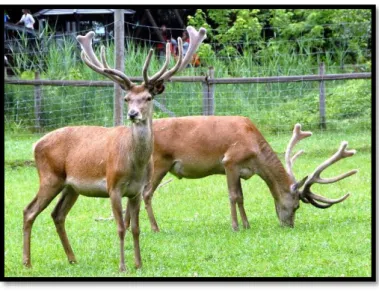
[158, 88]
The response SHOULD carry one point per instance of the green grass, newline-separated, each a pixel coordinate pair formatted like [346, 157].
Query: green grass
[194, 216]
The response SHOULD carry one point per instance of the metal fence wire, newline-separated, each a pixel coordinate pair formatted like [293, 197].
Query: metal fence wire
[274, 106]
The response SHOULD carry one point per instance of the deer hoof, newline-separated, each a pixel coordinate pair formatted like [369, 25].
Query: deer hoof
[73, 262]
[27, 265]
[138, 265]
[122, 268]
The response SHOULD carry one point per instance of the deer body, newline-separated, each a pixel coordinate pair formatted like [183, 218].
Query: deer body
[207, 153]
[204, 146]
[101, 162]
[91, 164]
[196, 147]
[94, 162]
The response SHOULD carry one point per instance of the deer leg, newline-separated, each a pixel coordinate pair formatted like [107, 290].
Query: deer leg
[158, 175]
[233, 180]
[116, 200]
[127, 216]
[241, 207]
[46, 193]
[134, 205]
[65, 203]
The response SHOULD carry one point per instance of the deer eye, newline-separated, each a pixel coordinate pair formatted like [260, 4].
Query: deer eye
[127, 99]
[149, 98]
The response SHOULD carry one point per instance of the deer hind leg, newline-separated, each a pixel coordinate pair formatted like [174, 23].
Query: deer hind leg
[116, 199]
[134, 207]
[65, 203]
[46, 193]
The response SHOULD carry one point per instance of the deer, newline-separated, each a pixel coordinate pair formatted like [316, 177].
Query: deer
[103, 162]
[199, 146]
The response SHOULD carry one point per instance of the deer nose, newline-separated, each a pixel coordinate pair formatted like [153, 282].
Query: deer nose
[132, 114]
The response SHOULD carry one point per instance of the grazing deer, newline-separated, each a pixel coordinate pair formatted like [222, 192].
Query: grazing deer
[103, 162]
[196, 147]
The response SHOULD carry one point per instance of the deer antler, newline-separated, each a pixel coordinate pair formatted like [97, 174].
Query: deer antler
[89, 57]
[196, 38]
[297, 135]
[315, 178]
[306, 195]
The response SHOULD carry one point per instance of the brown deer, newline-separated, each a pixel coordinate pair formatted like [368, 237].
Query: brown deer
[103, 162]
[196, 147]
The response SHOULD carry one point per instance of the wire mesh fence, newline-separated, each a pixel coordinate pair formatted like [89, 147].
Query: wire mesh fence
[273, 107]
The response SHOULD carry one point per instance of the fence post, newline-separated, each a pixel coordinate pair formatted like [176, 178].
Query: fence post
[37, 102]
[208, 94]
[322, 97]
[119, 65]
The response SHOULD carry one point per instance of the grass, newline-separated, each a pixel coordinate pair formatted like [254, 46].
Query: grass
[196, 239]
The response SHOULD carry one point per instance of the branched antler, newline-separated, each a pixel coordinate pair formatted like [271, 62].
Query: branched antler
[297, 135]
[88, 56]
[306, 194]
[196, 38]
[315, 178]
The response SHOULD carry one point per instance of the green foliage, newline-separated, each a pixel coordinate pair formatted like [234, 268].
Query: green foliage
[318, 30]
[239, 44]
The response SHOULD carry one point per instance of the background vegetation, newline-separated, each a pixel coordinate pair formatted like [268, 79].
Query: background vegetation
[240, 43]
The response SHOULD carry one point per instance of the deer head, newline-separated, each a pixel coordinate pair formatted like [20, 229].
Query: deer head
[301, 190]
[139, 97]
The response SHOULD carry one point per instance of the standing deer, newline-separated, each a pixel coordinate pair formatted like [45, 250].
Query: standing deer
[196, 147]
[103, 162]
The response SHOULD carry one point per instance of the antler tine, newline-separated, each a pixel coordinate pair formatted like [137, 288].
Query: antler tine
[116, 75]
[296, 137]
[167, 75]
[315, 178]
[196, 38]
[327, 200]
[90, 59]
[340, 154]
[86, 44]
[157, 75]
[146, 67]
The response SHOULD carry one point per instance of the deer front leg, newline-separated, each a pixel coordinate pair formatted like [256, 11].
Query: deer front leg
[158, 175]
[235, 196]
[134, 207]
[233, 180]
[65, 203]
[241, 207]
[115, 196]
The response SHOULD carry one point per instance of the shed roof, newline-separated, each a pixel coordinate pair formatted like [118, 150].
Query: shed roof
[49, 12]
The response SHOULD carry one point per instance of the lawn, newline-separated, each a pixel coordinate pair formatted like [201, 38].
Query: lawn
[196, 239]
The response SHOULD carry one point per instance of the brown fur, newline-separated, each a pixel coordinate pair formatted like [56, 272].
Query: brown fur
[95, 162]
[196, 147]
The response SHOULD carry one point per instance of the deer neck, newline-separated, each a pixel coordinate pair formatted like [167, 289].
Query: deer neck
[273, 172]
[142, 141]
